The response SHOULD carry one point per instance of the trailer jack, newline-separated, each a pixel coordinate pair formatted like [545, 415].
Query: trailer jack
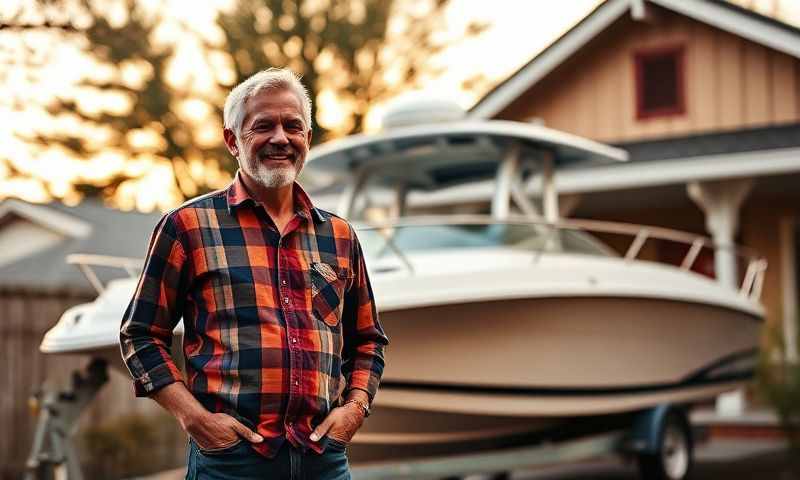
[52, 453]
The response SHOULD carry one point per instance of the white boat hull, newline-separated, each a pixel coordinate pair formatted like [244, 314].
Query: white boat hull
[460, 377]
[553, 343]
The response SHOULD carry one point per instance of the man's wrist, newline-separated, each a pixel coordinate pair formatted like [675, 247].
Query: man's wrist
[189, 418]
[361, 406]
[358, 394]
[178, 401]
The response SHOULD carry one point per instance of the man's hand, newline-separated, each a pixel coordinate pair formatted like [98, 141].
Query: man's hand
[341, 424]
[210, 430]
[218, 430]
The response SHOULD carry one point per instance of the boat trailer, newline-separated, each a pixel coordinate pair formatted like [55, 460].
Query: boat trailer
[659, 438]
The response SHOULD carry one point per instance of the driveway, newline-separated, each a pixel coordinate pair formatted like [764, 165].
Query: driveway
[719, 460]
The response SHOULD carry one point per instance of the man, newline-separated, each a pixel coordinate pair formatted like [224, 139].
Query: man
[283, 347]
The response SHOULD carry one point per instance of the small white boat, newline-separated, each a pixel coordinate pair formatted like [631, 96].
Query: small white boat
[506, 326]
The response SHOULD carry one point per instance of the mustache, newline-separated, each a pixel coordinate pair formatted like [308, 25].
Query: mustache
[271, 150]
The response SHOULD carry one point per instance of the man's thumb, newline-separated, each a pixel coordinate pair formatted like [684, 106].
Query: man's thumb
[321, 430]
[246, 432]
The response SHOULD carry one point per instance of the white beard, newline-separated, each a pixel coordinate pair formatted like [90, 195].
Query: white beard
[268, 177]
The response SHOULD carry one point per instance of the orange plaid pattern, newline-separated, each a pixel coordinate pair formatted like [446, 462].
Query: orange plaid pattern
[276, 328]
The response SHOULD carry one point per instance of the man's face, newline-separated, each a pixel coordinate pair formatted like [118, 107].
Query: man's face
[274, 140]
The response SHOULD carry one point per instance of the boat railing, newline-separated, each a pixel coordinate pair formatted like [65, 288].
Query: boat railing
[750, 287]
[751, 284]
[87, 263]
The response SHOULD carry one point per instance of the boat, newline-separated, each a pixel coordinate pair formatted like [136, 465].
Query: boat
[512, 325]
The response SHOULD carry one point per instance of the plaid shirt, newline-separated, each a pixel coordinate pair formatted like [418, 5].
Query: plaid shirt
[276, 328]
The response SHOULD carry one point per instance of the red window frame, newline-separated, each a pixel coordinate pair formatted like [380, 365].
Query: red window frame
[639, 59]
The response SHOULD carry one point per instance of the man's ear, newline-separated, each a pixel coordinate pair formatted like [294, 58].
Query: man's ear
[230, 142]
[308, 137]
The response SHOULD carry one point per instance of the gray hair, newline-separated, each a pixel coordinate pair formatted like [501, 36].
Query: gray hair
[271, 78]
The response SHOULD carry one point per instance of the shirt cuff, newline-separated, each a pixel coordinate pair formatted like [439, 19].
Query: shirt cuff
[156, 379]
[364, 380]
[349, 389]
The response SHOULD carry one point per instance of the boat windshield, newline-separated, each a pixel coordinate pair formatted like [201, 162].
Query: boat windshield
[378, 242]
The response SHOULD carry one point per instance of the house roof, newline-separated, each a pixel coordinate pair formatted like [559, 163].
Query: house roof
[101, 231]
[717, 143]
[49, 218]
[744, 153]
[720, 14]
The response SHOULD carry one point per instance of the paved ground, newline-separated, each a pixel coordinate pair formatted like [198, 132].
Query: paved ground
[719, 460]
[728, 460]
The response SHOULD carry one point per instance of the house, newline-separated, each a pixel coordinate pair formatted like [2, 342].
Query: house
[35, 240]
[705, 96]
[36, 287]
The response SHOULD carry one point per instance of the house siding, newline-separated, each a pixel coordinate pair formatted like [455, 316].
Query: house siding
[730, 84]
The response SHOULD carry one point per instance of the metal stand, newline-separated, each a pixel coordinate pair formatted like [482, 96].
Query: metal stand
[52, 449]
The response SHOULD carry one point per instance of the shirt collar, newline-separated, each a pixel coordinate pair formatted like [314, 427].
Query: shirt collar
[237, 194]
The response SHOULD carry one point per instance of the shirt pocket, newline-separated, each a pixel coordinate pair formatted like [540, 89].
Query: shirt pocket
[328, 283]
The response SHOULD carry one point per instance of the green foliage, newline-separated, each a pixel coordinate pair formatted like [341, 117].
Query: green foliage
[779, 384]
[133, 445]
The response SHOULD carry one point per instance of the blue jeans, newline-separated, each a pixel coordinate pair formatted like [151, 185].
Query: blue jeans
[241, 462]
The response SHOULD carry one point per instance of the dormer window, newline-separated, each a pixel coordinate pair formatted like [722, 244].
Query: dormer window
[659, 82]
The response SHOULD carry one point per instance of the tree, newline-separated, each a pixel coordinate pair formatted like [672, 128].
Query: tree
[351, 53]
[131, 68]
[358, 52]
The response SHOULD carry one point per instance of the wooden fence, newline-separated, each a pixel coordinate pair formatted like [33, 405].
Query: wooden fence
[24, 318]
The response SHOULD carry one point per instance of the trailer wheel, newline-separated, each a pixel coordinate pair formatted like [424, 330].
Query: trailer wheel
[674, 456]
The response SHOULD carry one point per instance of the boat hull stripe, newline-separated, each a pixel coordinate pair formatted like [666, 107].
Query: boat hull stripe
[702, 377]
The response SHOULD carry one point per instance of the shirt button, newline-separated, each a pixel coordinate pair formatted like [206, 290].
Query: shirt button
[297, 382]
[294, 340]
[286, 300]
[283, 282]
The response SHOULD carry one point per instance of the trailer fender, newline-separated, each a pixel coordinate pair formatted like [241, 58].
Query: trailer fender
[647, 426]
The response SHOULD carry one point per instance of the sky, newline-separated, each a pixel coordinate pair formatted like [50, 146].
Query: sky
[518, 30]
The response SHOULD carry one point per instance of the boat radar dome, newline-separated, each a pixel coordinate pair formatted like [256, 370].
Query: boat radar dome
[416, 109]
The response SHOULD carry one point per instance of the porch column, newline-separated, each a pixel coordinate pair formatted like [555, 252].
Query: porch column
[789, 287]
[721, 201]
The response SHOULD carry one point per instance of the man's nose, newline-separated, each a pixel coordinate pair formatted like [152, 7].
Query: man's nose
[279, 136]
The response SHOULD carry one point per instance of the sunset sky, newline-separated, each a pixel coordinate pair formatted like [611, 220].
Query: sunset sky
[518, 30]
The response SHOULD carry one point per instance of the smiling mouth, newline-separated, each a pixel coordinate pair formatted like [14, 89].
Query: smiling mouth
[276, 157]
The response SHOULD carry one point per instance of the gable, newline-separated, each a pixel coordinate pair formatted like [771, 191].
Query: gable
[36, 239]
[730, 83]
[27, 228]
[20, 238]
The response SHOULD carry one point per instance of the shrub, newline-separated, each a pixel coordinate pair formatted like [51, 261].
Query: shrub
[779, 384]
[130, 446]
